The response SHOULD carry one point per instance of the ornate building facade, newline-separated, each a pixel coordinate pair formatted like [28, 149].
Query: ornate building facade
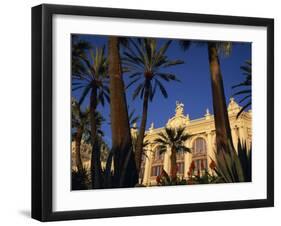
[201, 143]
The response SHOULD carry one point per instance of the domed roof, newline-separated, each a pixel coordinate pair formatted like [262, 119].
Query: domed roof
[179, 119]
[233, 107]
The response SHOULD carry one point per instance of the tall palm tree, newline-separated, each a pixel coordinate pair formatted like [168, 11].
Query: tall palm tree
[246, 92]
[80, 121]
[173, 138]
[145, 62]
[81, 130]
[94, 82]
[125, 174]
[223, 132]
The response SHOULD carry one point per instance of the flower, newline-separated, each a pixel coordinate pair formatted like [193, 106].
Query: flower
[192, 166]
[190, 181]
[158, 179]
[164, 173]
[212, 165]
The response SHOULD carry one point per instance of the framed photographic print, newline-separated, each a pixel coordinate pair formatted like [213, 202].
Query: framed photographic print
[144, 112]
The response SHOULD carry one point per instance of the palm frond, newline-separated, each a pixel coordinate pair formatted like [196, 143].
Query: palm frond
[184, 149]
[162, 89]
[242, 92]
[185, 44]
[243, 109]
[245, 98]
[85, 93]
[173, 63]
[133, 82]
[168, 76]
[246, 93]
[143, 57]
[137, 90]
[172, 137]
[163, 49]
[78, 87]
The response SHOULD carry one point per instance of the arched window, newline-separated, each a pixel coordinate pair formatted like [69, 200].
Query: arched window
[199, 155]
[199, 146]
[180, 163]
[158, 156]
[157, 164]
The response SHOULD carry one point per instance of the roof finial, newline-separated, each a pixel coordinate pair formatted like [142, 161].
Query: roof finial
[179, 108]
[151, 126]
[207, 115]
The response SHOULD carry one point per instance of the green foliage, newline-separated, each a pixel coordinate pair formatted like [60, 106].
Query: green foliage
[206, 178]
[172, 138]
[94, 76]
[80, 118]
[145, 62]
[132, 118]
[80, 180]
[224, 48]
[246, 87]
[78, 49]
[234, 166]
[165, 180]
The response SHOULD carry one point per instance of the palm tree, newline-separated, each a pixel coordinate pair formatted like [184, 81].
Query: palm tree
[125, 174]
[78, 48]
[223, 132]
[81, 131]
[144, 62]
[173, 138]
[80, 126]
[246, 93]
[94, 81]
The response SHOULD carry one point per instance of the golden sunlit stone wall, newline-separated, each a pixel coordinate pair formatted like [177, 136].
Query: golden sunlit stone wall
[203, 132]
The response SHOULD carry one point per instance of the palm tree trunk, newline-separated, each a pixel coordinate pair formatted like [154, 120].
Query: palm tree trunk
[121, 136]
[95, 158]
[139, 144]
[77, 150]
[223, 132]
[173, 158]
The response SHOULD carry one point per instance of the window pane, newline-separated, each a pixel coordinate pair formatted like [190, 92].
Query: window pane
[199, 146]
[180, 167]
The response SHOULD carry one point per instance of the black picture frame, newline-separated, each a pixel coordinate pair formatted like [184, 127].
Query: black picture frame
[42, 111]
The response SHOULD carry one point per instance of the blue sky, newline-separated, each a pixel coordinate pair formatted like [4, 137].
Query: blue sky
[194, 90]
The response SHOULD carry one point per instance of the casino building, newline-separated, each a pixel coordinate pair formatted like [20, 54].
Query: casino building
[202, 142]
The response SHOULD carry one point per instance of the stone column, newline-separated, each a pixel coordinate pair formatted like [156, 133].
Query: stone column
[187, 159]
[147, 167]
[242, 133]
[234, 133]
[166, 163]
[210, 149]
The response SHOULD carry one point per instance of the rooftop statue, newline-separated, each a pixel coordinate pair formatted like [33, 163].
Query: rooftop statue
[179, 108]
[233, 106]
